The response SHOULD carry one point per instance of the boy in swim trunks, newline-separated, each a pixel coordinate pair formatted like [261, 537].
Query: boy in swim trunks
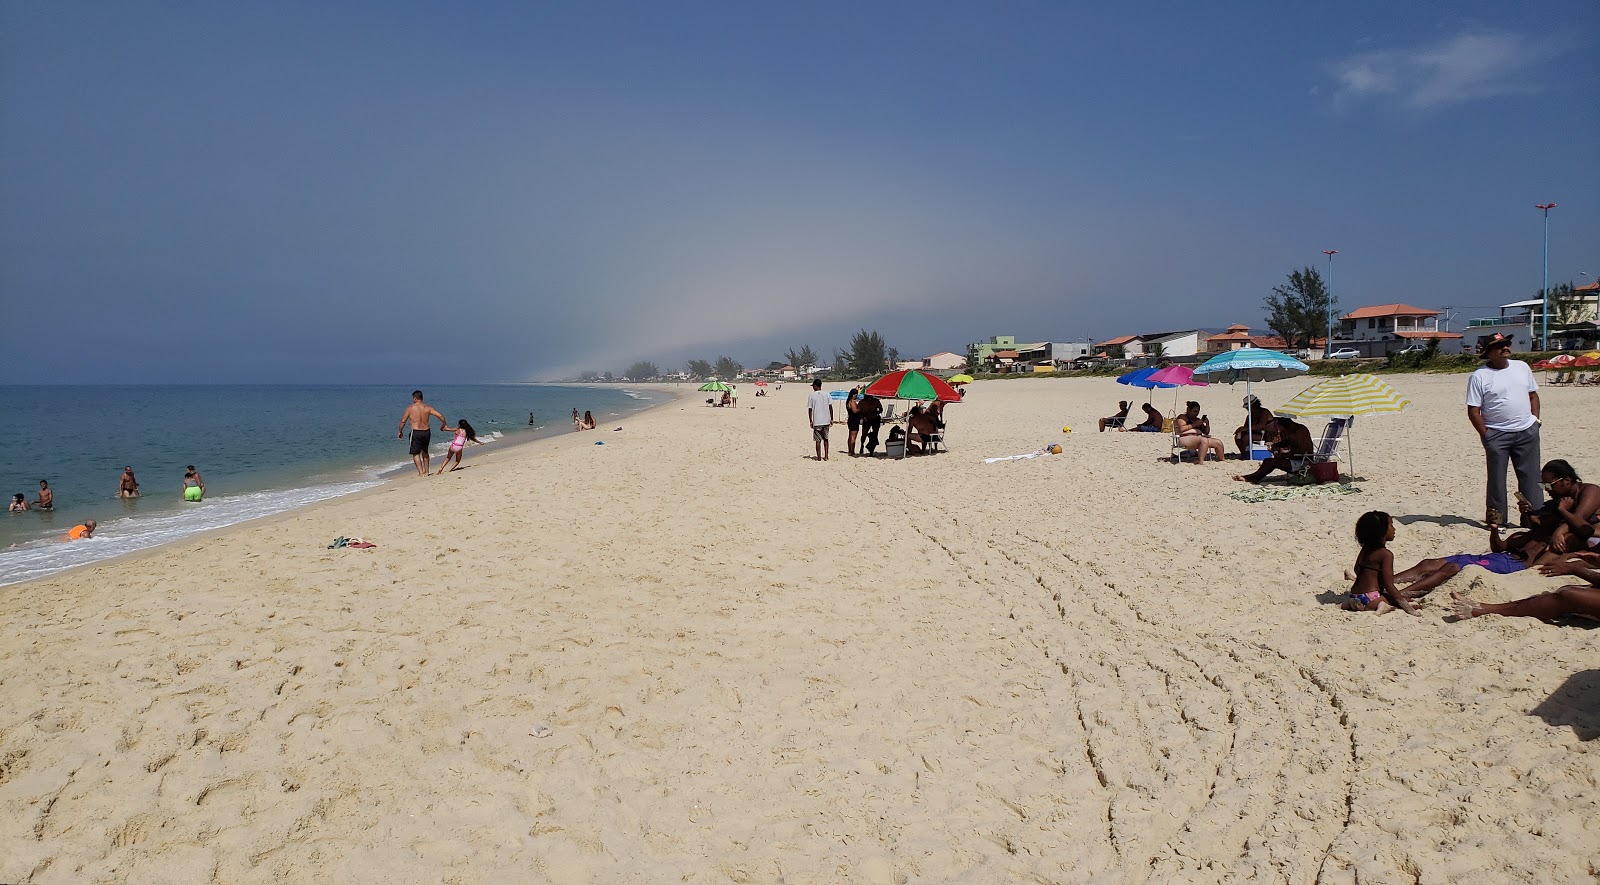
[47, 498]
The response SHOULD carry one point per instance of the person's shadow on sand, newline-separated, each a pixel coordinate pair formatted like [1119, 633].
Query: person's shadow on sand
[1576, 703]
[1441, 520]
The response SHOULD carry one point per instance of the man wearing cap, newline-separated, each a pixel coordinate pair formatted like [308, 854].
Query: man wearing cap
[1503, 406]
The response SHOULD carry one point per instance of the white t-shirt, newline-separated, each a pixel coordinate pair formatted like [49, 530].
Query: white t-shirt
[1502, 394]
[820, 405]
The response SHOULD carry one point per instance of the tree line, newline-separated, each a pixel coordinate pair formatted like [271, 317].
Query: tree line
[867, 354]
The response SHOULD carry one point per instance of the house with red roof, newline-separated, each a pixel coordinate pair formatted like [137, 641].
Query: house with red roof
[1381, 329]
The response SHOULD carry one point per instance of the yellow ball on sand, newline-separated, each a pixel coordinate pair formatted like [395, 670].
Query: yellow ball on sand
[1066, 430]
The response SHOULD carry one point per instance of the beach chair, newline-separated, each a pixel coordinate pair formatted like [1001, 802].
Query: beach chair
[1327, 450]
[1178, 452]
[888, 412]
[934, 442]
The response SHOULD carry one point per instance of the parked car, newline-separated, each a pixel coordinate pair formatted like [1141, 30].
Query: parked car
[1345, 353]
[1413, 347]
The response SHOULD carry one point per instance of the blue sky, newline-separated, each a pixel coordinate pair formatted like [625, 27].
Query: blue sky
[399, 193]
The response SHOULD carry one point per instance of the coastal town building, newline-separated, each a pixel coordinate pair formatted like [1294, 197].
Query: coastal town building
[944, 360]
[1572, 325]
[1188, 342]
[1378, 330]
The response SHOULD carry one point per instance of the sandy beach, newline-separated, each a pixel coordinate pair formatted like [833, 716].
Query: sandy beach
[694, 654]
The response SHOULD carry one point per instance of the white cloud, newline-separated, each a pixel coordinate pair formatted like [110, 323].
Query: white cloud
[1456, 69]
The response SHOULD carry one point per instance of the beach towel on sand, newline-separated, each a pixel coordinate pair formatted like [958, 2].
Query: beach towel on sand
[1257, 494]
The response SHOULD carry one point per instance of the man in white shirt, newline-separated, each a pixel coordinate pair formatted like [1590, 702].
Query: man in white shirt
[1503, 406]
[819, 417]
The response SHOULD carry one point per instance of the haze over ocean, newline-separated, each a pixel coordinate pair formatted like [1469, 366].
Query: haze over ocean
[261, 449]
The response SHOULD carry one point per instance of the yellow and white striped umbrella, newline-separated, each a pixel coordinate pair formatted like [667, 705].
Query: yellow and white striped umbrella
[1345, 395]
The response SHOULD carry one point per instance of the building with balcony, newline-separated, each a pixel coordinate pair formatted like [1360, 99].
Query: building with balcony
[1572, 325]
[1381, 329]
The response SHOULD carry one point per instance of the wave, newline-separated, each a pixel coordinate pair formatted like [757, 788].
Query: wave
[131, 534]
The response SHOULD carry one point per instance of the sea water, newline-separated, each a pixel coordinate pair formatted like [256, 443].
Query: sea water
[261, 450]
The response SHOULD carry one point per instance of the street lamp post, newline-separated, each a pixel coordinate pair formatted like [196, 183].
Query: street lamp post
[1327, 350]
[1544, 325]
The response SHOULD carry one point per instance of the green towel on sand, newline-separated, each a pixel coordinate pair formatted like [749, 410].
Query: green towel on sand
[1257, 494]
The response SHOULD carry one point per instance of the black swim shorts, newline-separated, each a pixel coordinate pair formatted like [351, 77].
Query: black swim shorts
[419, 441]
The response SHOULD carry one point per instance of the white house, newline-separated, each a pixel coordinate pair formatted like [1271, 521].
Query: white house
[1381, 329]
[944, 360]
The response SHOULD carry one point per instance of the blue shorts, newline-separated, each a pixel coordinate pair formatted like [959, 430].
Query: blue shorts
[1499, 563]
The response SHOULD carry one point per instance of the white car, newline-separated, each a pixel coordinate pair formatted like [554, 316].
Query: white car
[1413, 348]
[1345, 353]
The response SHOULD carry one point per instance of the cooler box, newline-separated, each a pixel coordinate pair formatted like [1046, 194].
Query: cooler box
[1259, 452]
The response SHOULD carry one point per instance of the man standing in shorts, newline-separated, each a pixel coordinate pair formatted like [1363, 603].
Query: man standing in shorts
[419, 415]
[819, 416]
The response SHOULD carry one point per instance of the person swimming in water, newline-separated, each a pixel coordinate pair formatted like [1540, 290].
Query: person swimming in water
[19, 503]
[194, 488]
[82, 531]
[47, 498]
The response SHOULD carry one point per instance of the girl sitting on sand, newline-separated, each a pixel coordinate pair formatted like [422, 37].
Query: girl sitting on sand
[464, 433]
[1374, 586]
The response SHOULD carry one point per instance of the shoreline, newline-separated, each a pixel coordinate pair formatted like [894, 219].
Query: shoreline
[383, 480]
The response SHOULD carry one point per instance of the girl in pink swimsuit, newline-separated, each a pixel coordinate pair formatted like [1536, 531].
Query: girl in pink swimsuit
[463, 434]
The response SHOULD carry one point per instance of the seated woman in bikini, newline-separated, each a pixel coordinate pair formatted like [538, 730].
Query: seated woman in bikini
[1192, 434]
[1569, 522]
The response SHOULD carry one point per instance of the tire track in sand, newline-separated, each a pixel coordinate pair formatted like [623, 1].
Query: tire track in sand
[1220, 758]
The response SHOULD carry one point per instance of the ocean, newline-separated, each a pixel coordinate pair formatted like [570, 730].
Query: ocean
[261, 450]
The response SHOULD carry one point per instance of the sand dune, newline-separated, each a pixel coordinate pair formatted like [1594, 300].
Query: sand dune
[1092, 667]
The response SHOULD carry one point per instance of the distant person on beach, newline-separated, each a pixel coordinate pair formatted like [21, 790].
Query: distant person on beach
[1503, 407]
[920, 428]
[733, 395]
[852, 417]
[1258, 427]
[577, 422]
[194, 486]
[127, 487]
[1193, 431]
[819, 417]
[871, 411]
[1118, 419]
[1153, 419]
[530, 419]
[19, 503]
[1374, 587]
[463, 434]
[419, 416]
[47, 498]
[588, 420]
[1289, 453]
[83, 530]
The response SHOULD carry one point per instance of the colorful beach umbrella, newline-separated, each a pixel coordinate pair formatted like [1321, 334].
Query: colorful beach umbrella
[1357, 394]
[1352, 395]
[962, 378]
[1141, 378]
[1178, 376]
[714, 385]
[1250, 364]
[913, 384]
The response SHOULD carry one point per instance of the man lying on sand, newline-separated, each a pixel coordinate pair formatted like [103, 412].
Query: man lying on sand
[1573, 599]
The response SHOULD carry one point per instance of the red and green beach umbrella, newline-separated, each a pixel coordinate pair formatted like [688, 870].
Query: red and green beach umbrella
[912, 384]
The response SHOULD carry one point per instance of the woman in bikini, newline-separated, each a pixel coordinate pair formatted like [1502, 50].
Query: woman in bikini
[1192, 434]
[1576, 513]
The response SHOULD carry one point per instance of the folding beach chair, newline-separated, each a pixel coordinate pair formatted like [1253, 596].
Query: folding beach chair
[1327, 450]
[1178, 452]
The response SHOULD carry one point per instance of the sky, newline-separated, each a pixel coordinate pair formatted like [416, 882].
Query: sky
[391, 192]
